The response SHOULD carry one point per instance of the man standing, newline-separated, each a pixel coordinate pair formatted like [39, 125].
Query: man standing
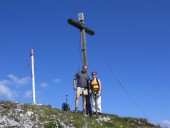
[81, 87]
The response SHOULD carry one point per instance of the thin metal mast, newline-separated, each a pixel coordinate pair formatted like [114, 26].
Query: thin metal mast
[33, 76]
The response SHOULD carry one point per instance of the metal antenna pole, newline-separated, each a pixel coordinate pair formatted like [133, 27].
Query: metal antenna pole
[33, 76]
[66, 98]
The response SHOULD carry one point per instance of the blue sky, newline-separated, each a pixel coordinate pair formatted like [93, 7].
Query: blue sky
[131, 45]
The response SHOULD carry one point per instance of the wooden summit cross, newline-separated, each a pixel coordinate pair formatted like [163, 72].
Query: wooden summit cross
[83, 29]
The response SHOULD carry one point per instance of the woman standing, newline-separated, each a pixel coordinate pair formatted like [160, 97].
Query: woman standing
[95, 91]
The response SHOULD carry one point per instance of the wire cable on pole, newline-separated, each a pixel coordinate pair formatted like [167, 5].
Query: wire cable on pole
[119, 82]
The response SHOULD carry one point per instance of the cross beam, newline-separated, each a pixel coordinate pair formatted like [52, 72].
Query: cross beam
[80, 25]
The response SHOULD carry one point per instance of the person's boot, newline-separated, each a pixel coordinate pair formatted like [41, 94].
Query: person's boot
[91, 114]
[100, 115]
[94, 114]
[76, 109]
[84, 112]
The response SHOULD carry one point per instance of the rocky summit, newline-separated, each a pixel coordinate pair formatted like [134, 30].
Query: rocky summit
[19, 115]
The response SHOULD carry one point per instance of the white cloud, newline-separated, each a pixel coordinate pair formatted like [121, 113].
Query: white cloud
[44, 85]
[19, 81]
[57, 80]
[4, 82]
[7, 92]
[28, 94]
[165, 123]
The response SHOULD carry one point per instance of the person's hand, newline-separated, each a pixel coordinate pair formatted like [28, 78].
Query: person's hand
[75, 87]
[99, 93]
[90, 92]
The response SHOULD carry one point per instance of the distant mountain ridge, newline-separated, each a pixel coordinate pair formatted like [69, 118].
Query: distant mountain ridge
[19, 115]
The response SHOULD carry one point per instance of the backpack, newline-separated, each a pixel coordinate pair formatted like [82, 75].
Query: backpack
[65, 107]
[97, 84]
